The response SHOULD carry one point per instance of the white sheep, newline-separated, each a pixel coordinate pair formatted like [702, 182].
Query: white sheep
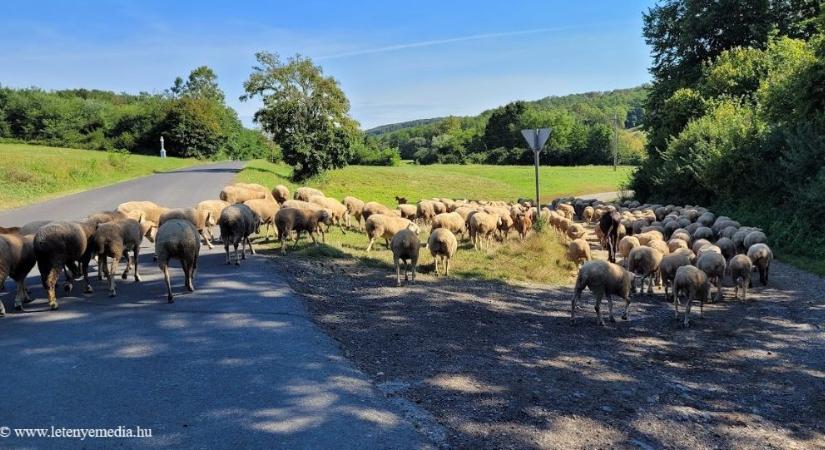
[443, 245]
[740, 268]
[693, 283]
[604, 279]
[761, 257]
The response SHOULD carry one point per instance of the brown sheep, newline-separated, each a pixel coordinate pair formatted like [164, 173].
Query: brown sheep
[114, 240]
[578, 251]
[644, 262]
[215, 207]
[355, 209]
[380, 225]
[443, 245]
[425, 211]
[405, 247]
[237, 222]
[523, 224]
[694, 284]
[740, 268]
[16, 261]
[178, 238]
[265, 209]
[713, 264]
[300, 220]
[149, 210]
[198, 217]
[604, 279]
[62, 245]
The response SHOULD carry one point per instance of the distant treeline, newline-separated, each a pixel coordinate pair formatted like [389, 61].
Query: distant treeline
[192, 116]
[584, 128]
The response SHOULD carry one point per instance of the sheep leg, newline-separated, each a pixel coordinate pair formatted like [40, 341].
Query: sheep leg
[135, 253]
[626, 307]
[202, 233]
[243, 247]
[718, 289]
[599, 318]
[251, 248]
[315, 241]
[676, 302]
[414, 265]
[650, 281]
[610, 308]
[101, 266]
[435, 261]
[226, 249]
[369, 246]
[110, 275]
[49, 280]
[187, 275]
[19, 298]
[447, 266]
[237, 258]
[397, 272]
[165, 269]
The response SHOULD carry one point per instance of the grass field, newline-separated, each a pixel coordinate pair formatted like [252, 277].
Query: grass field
[31, 173]
[455, 181]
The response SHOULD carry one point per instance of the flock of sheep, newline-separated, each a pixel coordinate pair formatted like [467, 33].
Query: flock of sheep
[686, 248]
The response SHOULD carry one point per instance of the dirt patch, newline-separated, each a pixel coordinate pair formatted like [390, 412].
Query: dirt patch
[500, 366]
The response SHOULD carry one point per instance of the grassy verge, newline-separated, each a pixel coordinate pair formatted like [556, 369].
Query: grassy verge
[455, 181]
[31, 173]
[539, 259]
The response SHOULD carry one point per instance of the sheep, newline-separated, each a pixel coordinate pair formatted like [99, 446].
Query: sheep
[644, 262]
[661, 246]
[238, 194]
[706, 219]
[754, 237]
[337, 210]
[578, 251]
[178, 238]
[237, 222]
[739, 239]
[588, 213]
[380, 225]
[740, 268]
[198, 217]
[713, 264]
[576, 231]
[626, 244]
[355, 209]
[693, 283]
[703, 233]
[697, 245]
[451, 221]
[300, 220]
[566, 210]
[507, 224]
[105, 216]
[648, 236]
[709, 248]
[267, 194]
[61, 245]
[761, 256]
[682, 234]
[17, 259]
[443, 245]
[305, 193]
[149, 211]
[676, 244]
[371, 208]
[265, 209]
[482, 226]
[727, 247]
[407, 211]
[464, 212]
[604, 279]
[114, 240]
[401, 200]
[439, 207]
[671, 263]
[300, 204]
[32, 227]
[523, 225]
[425, 211]
[405, 247]
[280, 193]
[609, 227]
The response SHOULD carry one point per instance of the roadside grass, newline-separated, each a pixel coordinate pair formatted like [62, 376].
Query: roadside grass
[484, 182]
[31, 173]
[539, 259]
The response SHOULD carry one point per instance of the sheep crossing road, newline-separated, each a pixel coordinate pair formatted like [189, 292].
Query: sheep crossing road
[236, 364]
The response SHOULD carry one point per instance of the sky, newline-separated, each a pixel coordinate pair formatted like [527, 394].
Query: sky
[396, 61]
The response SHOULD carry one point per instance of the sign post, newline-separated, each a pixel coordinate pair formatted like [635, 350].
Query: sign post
[536, 138]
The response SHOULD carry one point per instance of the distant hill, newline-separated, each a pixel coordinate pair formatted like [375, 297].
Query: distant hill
[381, 129]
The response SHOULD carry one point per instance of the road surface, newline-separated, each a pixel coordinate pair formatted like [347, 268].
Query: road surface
[236, 364]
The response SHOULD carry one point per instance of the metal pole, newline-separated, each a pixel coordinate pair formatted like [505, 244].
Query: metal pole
[536, 156]
[616, 146]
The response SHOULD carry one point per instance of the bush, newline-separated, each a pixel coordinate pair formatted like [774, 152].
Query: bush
[119, 159]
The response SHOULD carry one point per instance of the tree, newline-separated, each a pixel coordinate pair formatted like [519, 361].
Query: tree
[201, 83]
[305, 112]
[502, 126]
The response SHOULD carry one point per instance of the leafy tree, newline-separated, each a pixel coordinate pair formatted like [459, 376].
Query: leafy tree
[305, 112]
[502, 129]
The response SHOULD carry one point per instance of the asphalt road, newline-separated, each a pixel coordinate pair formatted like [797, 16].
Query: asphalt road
[236, 364]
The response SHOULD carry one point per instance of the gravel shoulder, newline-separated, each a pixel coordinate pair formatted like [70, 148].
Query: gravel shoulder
[499, 365]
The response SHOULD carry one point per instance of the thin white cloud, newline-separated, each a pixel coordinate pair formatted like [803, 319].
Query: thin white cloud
[430, 43]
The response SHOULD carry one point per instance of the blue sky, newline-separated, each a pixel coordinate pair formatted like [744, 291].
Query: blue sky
[395, 60]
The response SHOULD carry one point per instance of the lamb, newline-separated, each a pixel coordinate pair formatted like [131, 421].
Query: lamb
[371, 208]
[451, 221]
[482, 226]
[405, 247]
[114, 240]
[280, 193]
[740, 268]
[644, 262]
[523, 224]
[407, 211]
[380, 225]
[713, 264]
[754, 237]
[443, 245]
[238, 194]
[671, 263]
[300, 220]
[761, 256]
[305, 193]
[603, 278]
[237, 222]
[198, 217]
[693, 283]
[609, 227]
[61, 245]
[178, 238]
[16, 261]
[265, 209]
[578, 251]
[355, 209]
[337, 211]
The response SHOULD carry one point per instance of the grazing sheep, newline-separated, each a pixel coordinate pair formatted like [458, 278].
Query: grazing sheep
[451, 221]
[626, 244]
[482, 226]
[337, 211]
[523, 225]
[507, 224]
[693, 283]
[178, 238]
[676, 244]
[355, 209]
[578, 251]
[114, 240]
[604, 279]
[706, 219]
[300, 220]
[761, 256]
[425, 211]
[713, 264]
[371, 208]
[237, 194]
[644, 262]
[62, 245]
[439, 207]
[266, 209]
[305, 193]
[727, 247]
[407, 211]
[609, 227]
[671, 263]
[16, 261]
[740, 268]
[443, 245]
[576, 231]
[237, 222]
[280, 193]
[380, 225]
[300, 204]
[405, 247]
[198, 217]
[754, 237]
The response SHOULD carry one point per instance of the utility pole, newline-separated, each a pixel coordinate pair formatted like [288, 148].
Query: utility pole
[615, 141]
